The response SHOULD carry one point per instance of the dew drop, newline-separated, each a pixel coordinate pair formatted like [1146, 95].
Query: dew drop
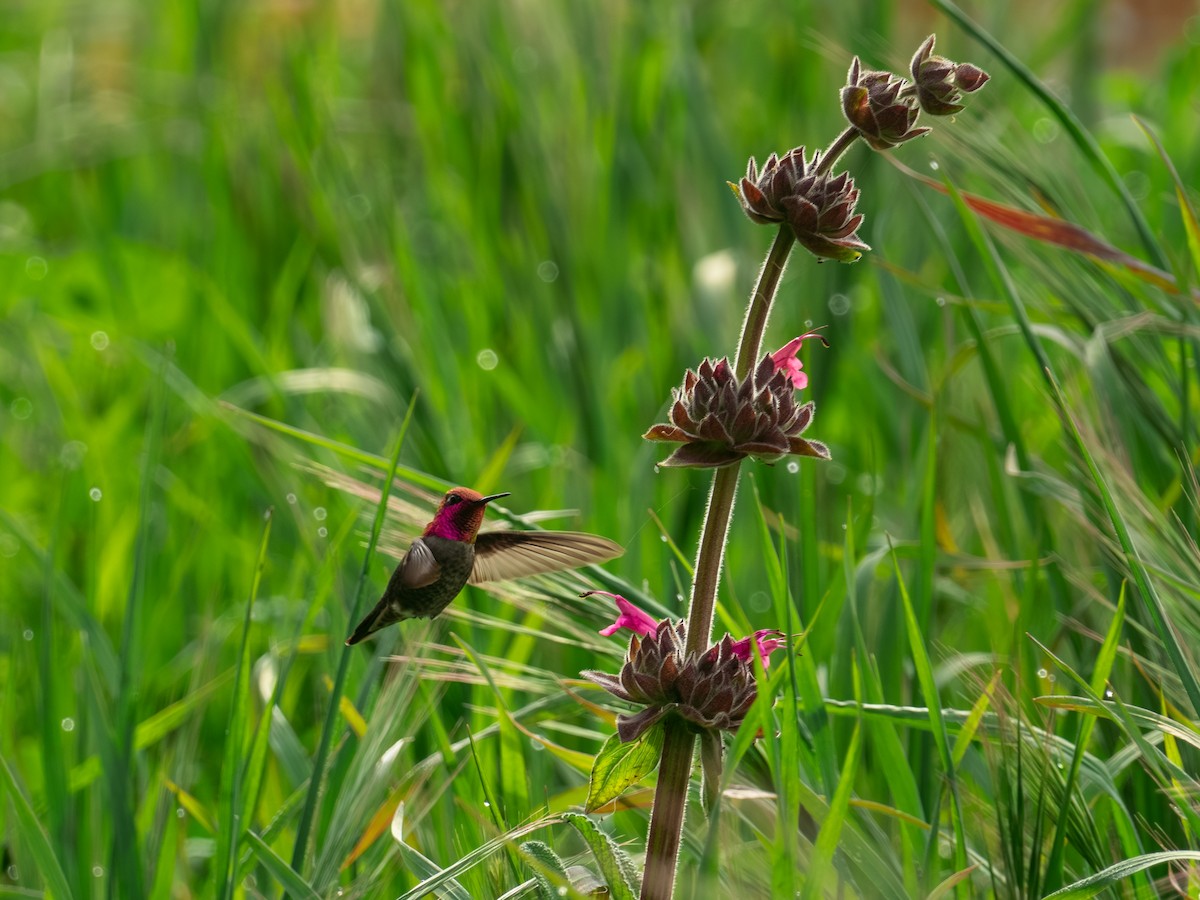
[180, 813]
[68, 724]
[487, 359]
[547, 270]
[95, 493]
[99, 340]
[21, 408]
[940, 301]
[839, 304]
[663, 538]
[72, 453]
[1053, 678]
[1108, 694]
[319, 514]
[486, 803]
[36, 268]
[291, 498]
[27, 634]
[562, 891]
[808, 324]
[97, 871]
[793, 466]
[1042, 673]
[13, 874]
[933, 164]
[323, 531]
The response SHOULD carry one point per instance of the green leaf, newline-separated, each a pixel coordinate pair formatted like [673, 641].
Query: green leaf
[1094, 884]
[615, 864]
[620, 765]
[548, 870]
[287, 877]
[34, 836]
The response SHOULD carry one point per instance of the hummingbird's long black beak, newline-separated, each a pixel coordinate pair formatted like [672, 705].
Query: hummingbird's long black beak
[492, 497]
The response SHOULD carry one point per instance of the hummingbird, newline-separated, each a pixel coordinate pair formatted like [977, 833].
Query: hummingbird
[450, 553]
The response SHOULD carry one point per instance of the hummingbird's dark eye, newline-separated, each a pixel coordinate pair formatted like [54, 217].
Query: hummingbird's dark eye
[451, 499]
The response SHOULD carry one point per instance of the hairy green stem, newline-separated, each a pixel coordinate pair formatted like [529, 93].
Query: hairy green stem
[670, 803]
[834, 151]
[755, 324]
[675, 766]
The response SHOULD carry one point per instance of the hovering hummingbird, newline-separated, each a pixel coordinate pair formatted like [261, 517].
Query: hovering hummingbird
[450, 553]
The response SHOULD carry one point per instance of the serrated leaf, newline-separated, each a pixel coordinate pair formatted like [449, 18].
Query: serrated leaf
[548, 870]
[615, 865]
[619, 766]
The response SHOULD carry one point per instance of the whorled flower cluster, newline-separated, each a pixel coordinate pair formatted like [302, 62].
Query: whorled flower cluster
[940, 83]
[884, 107]
[877, 104]
[719, 420]
[713, 690]
[818, 207]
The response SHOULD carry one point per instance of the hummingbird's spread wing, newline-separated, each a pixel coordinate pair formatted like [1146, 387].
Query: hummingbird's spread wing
[501, 555]
[418, 568]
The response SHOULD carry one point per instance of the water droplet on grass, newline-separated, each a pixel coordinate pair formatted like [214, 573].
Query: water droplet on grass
[547, 270]
[322, 531]
[27, 634]
[291, 498]
[36, 268]
[95, 493]
[1042, 673]
[97, 871]
[21, 408]
[487, 359]
[319, 514]
[68, 724]
[99, 340]
[793, 467]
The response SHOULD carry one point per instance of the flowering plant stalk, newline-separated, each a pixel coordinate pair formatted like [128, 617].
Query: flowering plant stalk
[688, 686]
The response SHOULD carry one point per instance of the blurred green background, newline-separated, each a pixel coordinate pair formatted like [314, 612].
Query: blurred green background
[517, 212]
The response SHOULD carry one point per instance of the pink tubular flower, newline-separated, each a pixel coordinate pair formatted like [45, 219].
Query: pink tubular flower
[636, 620]
[786, 360]
[768, 642]
[642, 623]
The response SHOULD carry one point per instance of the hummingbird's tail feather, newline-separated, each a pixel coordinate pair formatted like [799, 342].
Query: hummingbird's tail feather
[381, 616]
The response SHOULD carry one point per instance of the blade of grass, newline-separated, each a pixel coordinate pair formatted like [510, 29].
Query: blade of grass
[238, 734]
[476, 856]
[37, 842]
[1104, 664]
[1094, 884]
[332, 714]
[924, 670]
[277, 866]
[1151, 602]
[1080, 135]
[122, 778]
[831, 829]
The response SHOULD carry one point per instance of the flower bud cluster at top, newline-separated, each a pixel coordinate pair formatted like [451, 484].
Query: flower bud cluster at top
[882, 108]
